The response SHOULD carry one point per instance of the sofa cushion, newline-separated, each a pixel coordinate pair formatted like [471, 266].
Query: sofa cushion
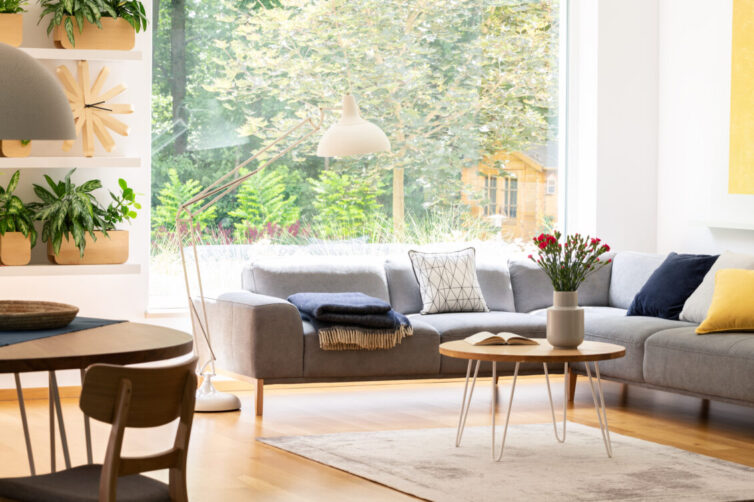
[492, 275]
[696, 306]
[629, 273]
[731, 308]
[448, 281]
[631, 333]
[460, 325]
[416, 355]
[457, 325]
[670, 285]
[532, 288]
[282, 277]
[719, 365]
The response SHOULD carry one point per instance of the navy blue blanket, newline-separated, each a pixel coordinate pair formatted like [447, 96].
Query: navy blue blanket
[355, 309]
[352, 321]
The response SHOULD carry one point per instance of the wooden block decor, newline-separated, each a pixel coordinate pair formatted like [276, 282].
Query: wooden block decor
[11, 29]
[116, 34]
[14, 148]
[92, 113]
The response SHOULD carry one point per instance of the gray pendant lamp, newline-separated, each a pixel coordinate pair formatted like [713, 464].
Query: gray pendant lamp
[32, 102]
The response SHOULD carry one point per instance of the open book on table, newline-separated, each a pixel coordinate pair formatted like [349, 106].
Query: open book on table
[503, 338]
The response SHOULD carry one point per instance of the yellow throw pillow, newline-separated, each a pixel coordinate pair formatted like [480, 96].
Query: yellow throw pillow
[732, 307]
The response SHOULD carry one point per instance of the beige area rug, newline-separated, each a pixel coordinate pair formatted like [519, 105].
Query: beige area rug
[426, 464]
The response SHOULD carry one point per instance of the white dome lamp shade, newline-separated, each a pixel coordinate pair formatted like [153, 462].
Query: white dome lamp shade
[32, 102]
[352, 135]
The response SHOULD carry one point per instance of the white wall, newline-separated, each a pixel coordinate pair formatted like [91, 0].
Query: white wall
[613, 118]
[694, 112]
[111, 296]
[108, 296]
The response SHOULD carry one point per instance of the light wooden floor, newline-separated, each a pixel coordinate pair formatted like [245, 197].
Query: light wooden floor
[226, 464]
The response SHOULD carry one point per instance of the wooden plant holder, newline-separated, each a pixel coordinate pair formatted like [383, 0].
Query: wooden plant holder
[103, 251]
[15, 249]
[116, 35]
[14, 148]
[11, 29]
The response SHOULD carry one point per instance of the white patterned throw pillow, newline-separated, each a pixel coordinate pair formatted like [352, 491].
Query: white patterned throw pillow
[448, 282]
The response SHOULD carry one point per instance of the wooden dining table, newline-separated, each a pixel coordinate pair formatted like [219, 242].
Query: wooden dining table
[120, 343]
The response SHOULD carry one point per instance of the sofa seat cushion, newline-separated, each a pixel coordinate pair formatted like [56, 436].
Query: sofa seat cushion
[631, 333]
[460, 325]
[720, 365]
[457, 325]
[416, 355]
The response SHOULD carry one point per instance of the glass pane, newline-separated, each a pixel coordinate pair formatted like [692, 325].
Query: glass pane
[466, 91]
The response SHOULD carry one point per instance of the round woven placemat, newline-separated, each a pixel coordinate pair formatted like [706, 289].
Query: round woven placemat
[31, 315]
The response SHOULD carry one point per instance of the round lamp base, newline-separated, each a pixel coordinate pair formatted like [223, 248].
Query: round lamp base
[208, 399]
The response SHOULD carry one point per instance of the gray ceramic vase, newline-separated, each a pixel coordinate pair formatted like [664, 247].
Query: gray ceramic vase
[565, 320]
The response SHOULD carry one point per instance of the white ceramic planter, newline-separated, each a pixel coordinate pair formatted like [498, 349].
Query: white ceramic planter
[565, 320]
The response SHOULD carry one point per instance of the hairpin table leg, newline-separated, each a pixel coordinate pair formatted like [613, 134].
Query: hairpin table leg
[552, 407]
[600, 408]
[465, 404]
[499, 457]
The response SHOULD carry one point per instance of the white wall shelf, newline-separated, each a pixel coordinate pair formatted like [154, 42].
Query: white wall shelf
[42, 162]
[52, 270]
[731, 225]
[76, 54]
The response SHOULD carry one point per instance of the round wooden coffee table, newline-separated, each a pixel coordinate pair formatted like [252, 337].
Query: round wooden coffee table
[543, 352]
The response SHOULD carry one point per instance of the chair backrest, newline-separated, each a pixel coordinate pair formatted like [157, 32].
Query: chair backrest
[141, 397]
[157, 394]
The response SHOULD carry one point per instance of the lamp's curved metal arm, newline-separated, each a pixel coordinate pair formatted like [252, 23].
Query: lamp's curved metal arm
[184, 221]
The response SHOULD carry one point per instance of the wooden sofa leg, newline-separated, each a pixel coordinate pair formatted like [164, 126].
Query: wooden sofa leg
[259, 397]
[572, 376]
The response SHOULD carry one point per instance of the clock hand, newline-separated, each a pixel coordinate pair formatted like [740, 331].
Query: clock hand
[95, 105]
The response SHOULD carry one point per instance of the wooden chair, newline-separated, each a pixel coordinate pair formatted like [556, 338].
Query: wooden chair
[123, 397]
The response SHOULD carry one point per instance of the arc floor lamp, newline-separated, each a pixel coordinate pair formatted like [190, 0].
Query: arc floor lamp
[352, 135]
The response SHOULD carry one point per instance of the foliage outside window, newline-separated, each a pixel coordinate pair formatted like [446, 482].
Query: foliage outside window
[453, 83]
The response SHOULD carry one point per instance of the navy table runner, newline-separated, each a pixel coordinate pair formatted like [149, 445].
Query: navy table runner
[78, 324]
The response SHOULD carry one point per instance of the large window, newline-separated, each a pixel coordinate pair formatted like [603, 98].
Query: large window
[466, 90]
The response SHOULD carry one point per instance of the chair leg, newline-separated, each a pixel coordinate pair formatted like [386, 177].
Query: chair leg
[572, 376]
[259, 397]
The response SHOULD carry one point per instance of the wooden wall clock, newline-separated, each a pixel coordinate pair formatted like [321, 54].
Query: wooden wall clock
[92, 113]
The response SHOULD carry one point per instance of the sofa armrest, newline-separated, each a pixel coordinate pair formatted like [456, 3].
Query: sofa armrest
[254, 335]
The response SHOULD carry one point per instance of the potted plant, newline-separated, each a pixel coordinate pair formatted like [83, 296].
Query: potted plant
[94, 24]
[78, 230]
[567, 264]
[15, 147]
[17, 234]
[11, 22]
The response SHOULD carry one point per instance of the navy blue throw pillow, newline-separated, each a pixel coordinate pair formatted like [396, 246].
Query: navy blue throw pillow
[667, 289]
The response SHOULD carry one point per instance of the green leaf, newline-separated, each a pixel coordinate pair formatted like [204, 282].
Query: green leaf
[68, 25]
[122, 183]
[13, 184]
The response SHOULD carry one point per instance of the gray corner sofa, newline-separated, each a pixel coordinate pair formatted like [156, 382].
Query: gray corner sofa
[258, 335]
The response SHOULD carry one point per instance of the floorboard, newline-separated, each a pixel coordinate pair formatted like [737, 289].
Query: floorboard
[226, 464]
